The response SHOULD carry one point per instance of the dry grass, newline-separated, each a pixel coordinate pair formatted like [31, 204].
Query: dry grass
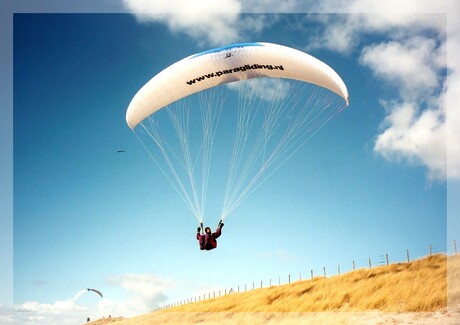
[420, 286]
[407, 287]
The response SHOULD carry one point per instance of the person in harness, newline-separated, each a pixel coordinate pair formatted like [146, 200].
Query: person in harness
[208, 240]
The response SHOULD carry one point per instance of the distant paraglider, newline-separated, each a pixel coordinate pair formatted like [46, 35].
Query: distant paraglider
[82, 292]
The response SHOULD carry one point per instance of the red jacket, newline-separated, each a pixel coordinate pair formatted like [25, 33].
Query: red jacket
[208, 241]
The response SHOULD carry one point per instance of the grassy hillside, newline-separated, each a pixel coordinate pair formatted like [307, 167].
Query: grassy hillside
[418, 286]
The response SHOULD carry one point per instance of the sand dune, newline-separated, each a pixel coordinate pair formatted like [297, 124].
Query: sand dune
[426, 291]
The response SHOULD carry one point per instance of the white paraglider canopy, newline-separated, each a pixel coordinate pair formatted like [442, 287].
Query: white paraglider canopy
[227, 64]
[82, 292]
[284, 97]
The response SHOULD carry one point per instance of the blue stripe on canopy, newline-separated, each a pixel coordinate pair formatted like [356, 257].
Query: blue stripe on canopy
[226, 48]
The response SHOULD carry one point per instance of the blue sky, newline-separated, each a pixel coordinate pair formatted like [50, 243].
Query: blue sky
[374, 180]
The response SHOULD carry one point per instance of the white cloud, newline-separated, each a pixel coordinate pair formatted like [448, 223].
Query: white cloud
[417, 138]
[145, 293]
[59, 312]
[6, 315]
[412, 66]
[208, 22]
[265, 88]
[420, 124]
[142, 292]
[414, 129]
[55, 308]
[272, 6]
[204, 20]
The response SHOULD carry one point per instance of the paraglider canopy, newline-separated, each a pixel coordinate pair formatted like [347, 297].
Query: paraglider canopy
[80, 293]
[283, 97]
[228, 64]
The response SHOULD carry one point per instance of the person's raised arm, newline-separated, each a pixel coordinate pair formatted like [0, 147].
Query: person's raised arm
[218, 232]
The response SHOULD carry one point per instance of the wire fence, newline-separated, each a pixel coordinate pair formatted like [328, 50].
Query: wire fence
[448, 248]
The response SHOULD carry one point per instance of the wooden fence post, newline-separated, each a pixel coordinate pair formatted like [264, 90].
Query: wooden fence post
[407, 253]
[324, 271]
[455, 247]
[338, 269]
[430, 250]
[312, 273]
[386, 256]
[289, 280]
[370, 265]
[353, 265]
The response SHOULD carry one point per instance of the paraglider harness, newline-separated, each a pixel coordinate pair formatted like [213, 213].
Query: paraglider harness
[209, 242]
